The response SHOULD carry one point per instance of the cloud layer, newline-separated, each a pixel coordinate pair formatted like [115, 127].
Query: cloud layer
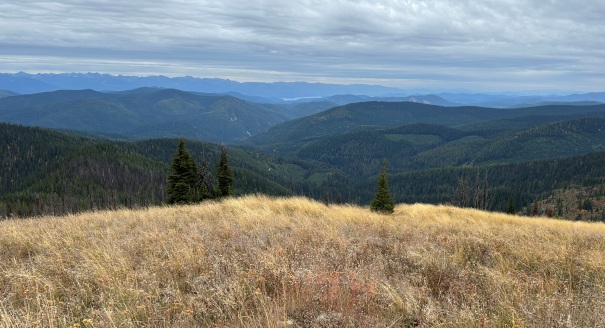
[484, 45]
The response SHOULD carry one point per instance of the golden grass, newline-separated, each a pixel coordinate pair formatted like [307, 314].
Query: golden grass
[291, 262]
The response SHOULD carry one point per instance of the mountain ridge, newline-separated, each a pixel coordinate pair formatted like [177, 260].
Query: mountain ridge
[218, 118]
[33, 83]
[272, 92]
[286, 136]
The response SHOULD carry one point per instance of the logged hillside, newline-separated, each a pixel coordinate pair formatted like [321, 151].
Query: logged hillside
[266, 262]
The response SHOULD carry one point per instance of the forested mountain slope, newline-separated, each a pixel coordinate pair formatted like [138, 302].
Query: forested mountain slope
[289, 136]
[420, 146]
[45, 172]
[148, 113]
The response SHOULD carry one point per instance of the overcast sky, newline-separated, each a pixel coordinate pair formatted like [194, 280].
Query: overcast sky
[481, 45]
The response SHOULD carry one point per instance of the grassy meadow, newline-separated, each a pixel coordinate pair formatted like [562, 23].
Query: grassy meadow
[257, 261]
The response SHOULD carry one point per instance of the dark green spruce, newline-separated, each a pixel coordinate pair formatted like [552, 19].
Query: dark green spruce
[182, 178]
[383, 201]
[224, 175]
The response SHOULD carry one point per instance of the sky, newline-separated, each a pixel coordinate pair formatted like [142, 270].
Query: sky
[481, 45]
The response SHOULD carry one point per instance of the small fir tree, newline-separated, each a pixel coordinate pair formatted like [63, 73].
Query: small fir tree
[224, 175]
[383, 201]
[182, 177]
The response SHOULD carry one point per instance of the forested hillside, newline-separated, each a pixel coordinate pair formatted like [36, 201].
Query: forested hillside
[46, 172]
[434, 154]
[359, 153]
[149, 113]
[288, 137]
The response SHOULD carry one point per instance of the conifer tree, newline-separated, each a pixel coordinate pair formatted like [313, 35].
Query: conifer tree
[224, 175]
[182, 177]
[383, 201]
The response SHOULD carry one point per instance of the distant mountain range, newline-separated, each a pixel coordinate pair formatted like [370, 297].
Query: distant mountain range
[147, 113]
[349, 99]
[167, 113]
[163, 113]
[508, 101]
[262, 92]
[276, 92]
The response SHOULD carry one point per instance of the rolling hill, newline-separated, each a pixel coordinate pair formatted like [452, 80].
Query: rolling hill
[286, 138]
[46, 172]
[274, 262]
[145, 113]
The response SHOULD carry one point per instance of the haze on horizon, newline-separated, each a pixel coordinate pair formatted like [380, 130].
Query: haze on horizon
[487, 46]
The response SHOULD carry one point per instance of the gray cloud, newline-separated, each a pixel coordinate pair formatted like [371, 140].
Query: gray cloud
[490, 44]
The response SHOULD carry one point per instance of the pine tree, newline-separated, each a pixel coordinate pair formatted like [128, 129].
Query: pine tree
[224, 176]
[182, 177]
[383, 201]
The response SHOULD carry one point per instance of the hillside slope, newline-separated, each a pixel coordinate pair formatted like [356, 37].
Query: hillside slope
[145, 113]
[45, 172]
[265, 262]
[288, 136]
[359, 153]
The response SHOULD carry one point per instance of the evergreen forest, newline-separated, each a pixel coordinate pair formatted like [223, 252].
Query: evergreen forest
[58, 155]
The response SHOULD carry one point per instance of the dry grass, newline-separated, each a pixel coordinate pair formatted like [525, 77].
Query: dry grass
[266, 262]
